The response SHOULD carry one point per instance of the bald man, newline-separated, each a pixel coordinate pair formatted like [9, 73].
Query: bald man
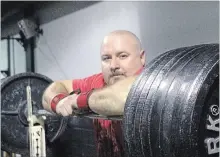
[105, 93]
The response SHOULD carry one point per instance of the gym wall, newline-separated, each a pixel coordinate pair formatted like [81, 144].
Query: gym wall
[74, 40]
[17, 57]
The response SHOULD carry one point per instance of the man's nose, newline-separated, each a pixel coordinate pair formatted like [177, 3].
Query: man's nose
[114, 65]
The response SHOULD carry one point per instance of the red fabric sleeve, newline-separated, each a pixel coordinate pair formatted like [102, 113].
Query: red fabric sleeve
[88, 83]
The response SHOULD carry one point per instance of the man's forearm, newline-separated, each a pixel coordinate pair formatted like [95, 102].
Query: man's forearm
[104, 102]
[111, 99]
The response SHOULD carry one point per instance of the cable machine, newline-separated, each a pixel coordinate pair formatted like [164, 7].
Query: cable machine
[29, 32]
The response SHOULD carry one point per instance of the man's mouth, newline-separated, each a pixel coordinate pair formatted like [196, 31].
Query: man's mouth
[117, 75]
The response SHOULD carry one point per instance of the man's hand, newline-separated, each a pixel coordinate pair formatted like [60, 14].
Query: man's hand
[66, 106]
[54, 89]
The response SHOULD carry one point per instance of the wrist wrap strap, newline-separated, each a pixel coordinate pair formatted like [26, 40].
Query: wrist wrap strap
[82, 100]
[55, 101]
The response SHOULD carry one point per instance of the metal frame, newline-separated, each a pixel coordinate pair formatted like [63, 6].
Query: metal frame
[29, 47]
[43, 12]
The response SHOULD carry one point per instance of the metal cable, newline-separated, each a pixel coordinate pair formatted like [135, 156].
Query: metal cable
[50, 50]
[13, 55]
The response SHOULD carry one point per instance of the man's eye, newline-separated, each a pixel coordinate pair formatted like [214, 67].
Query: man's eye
[105, 58]
[123, 56]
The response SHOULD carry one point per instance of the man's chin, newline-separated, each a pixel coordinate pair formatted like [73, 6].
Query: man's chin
[115, 79]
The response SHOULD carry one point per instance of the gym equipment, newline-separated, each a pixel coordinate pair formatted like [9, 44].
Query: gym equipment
[172, 109]
[14, 124]
[36, 129]
[168, 112]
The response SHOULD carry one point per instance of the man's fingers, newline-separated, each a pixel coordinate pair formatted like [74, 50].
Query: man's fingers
[68, 109]
[61, 110]
[64, 107]
[64, 112]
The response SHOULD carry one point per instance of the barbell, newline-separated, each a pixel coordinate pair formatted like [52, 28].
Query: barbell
[172, 109]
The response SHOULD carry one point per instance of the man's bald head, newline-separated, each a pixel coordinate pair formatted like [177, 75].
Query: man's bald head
[121, 55]
[131, 37]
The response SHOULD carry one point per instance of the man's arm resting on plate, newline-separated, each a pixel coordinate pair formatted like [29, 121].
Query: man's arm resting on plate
[57, 87]
[111, 100]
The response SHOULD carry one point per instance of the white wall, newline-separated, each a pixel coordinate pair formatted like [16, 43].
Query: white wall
[3, 55]
[17, 57]
[168, 25]
[75, 39]
[20, 58]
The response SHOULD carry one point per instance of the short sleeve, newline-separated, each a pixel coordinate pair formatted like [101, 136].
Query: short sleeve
[88, 83]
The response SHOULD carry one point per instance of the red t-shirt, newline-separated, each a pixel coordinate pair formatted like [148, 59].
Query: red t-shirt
[108, 133]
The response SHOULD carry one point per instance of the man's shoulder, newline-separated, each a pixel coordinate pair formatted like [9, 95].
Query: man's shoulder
[95, 76]
[87, 83]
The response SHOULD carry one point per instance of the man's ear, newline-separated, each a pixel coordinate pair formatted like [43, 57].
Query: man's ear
[143, 57]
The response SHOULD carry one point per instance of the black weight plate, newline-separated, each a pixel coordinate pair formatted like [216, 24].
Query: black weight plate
[78, 140]
[205, 70]
[130, 108]
[133, 147]
[158, 126]
[149, 98]
[161, 121]
[181, 102]
[14, 130]
[55, 127]
[175, 61]
[209, 123]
